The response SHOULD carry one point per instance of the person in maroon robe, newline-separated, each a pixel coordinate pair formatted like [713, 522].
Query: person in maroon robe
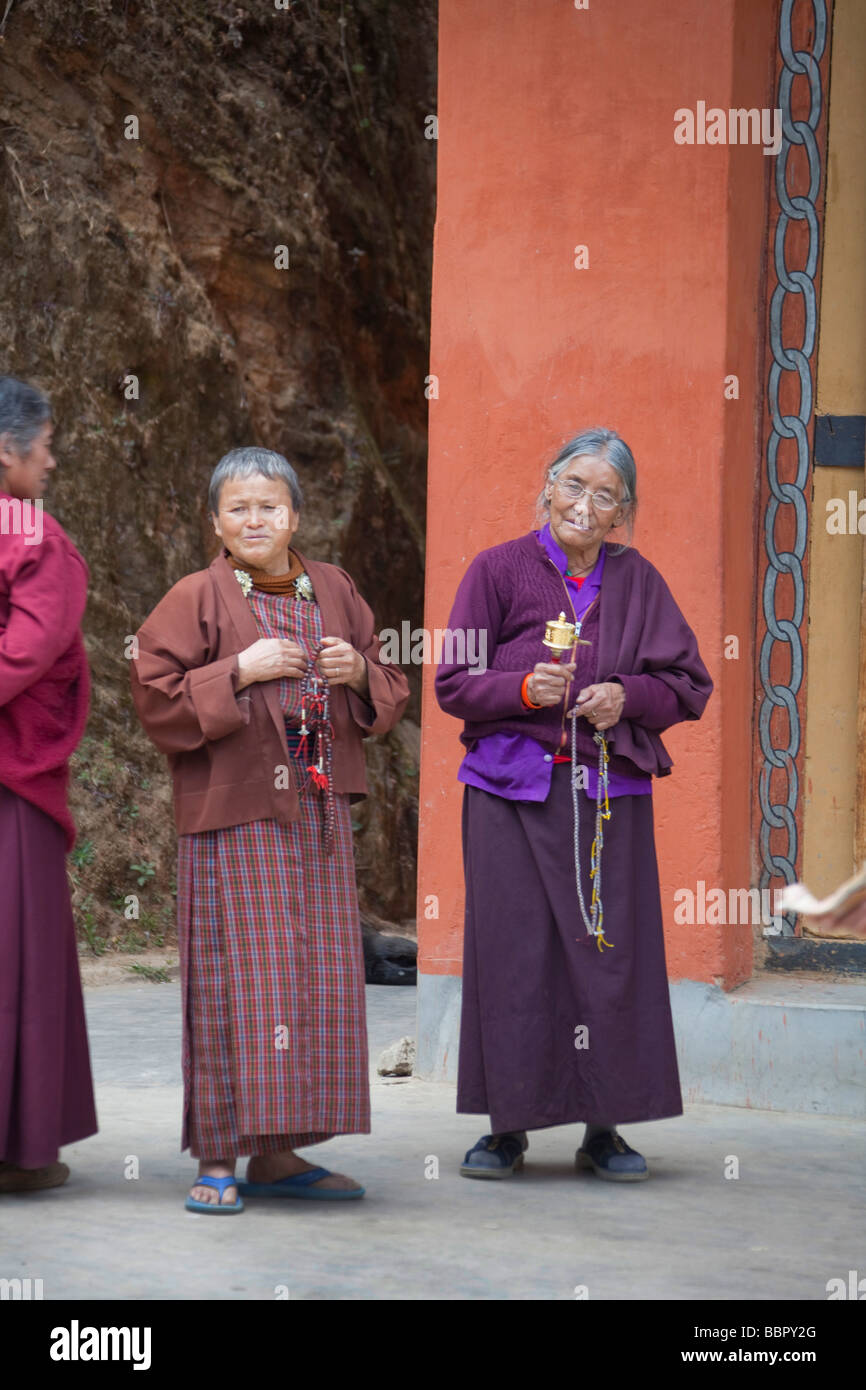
[46, 1089]
[565, 1007]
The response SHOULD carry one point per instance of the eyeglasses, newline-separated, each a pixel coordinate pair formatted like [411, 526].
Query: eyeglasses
[600, 501]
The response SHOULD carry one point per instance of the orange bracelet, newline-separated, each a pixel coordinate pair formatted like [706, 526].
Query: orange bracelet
[524, 694]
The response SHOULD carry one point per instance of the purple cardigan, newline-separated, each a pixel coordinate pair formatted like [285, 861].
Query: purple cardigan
[516, 766]
[639, 637]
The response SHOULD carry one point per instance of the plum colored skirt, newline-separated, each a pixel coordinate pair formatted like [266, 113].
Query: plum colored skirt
[46, 1088]
[553, 1031]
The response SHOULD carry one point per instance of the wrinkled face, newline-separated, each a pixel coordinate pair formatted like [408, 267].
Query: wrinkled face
[26, 475]
[256, 521]
[579, 524]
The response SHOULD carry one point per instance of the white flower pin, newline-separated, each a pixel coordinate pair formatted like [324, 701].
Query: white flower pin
[245, 580]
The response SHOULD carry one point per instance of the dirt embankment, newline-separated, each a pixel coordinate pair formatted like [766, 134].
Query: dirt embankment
[155, 257]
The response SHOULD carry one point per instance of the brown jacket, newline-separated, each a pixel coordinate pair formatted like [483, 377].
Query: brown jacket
[225, 749]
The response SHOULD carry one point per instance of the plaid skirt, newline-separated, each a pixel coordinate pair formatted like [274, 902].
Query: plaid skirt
[272, 968]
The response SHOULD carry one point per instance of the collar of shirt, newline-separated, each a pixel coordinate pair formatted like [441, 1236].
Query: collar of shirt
[582, 595]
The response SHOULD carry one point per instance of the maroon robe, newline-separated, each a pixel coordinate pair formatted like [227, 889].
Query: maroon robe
[46, 1090]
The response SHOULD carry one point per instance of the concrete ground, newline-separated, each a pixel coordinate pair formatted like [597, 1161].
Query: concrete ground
[791, 1220]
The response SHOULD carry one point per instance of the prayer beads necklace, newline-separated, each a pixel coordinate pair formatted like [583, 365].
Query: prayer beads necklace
[595, 923]
[315, 700]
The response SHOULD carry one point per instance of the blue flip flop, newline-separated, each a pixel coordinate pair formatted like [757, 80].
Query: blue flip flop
[300, 1186]
[216, 1208]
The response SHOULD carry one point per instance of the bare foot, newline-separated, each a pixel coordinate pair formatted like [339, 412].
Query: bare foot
[218, 1168]
[271, 1167]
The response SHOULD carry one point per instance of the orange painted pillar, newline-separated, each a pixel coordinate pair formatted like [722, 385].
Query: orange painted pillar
[556, 132]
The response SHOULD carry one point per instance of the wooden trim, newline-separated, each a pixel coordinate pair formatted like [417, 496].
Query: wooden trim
[860, 799]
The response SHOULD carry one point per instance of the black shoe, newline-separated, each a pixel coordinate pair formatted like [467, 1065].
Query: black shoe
[495, 1156]
[610, 1157]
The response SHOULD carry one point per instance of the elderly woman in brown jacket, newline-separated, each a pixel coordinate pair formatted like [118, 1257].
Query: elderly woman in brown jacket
[259, 678]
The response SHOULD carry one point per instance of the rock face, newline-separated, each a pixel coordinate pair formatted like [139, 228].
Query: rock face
[155, 159]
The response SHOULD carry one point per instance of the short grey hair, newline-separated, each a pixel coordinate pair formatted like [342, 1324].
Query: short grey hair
[600, 443]
[250, 462]
[23, 412]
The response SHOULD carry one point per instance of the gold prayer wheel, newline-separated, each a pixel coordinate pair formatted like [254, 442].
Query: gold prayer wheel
[559, 635]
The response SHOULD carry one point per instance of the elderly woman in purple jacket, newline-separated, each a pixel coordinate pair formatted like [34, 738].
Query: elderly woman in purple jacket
[566, 1011]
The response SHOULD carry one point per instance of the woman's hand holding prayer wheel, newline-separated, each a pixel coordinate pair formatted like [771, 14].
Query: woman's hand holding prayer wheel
[601, 704]
[548, 682]
[270, 658]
